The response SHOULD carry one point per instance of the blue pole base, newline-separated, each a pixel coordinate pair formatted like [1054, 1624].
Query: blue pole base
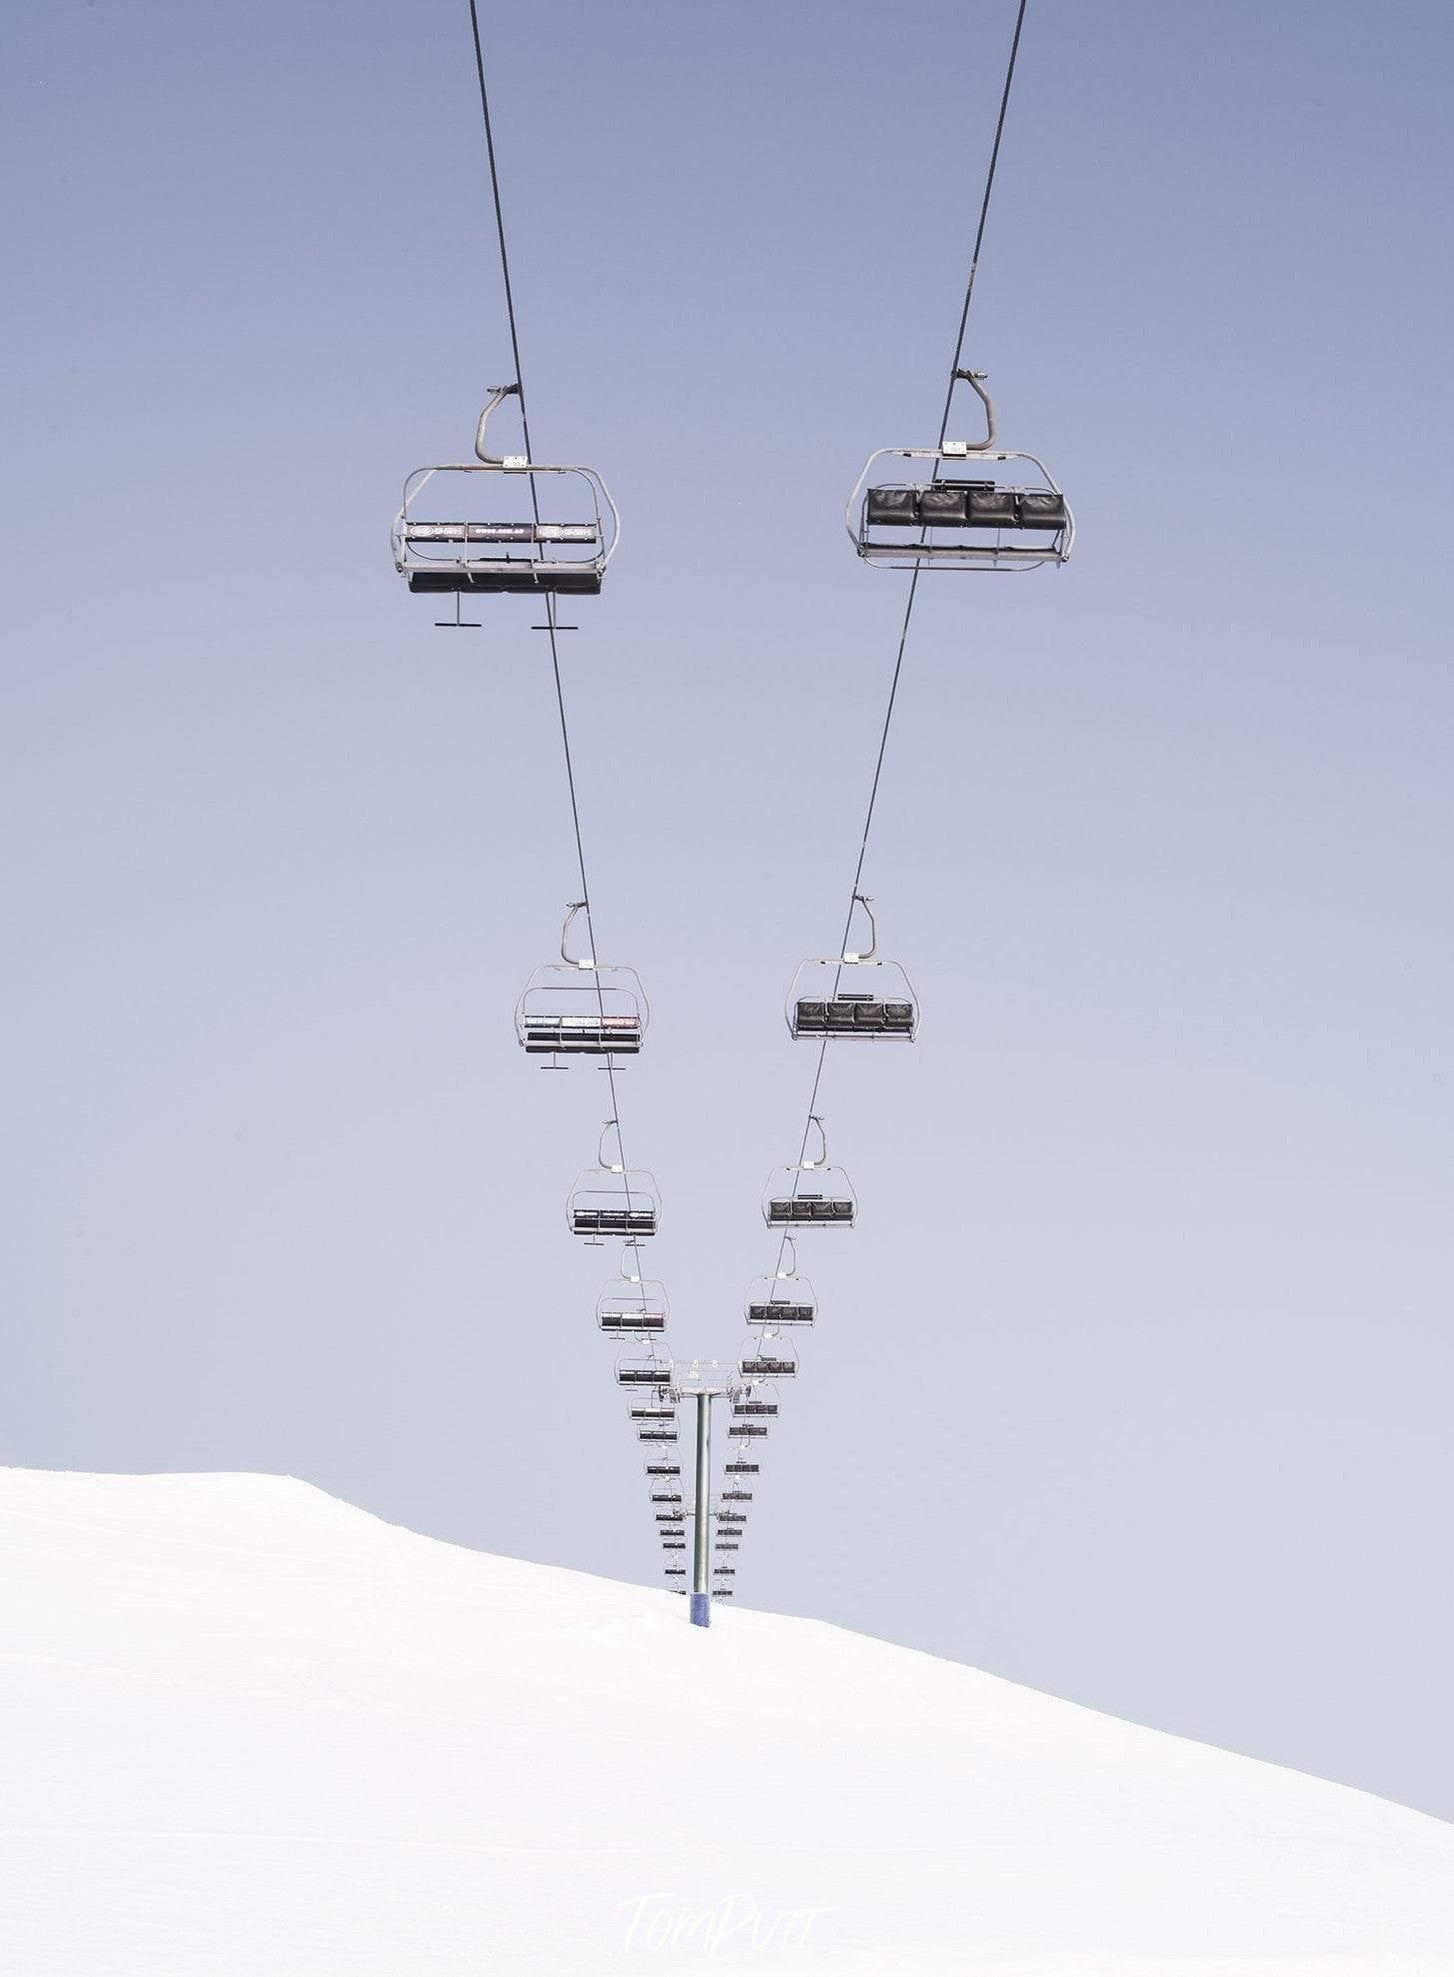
[701, 1609]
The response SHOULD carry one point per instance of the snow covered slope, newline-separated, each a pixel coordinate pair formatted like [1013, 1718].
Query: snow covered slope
[251, 1730]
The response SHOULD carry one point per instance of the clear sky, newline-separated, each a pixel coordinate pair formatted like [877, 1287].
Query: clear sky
[1134, 1382]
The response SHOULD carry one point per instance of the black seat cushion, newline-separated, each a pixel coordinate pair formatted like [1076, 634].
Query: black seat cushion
[992, 507]
[891, 507]
[523, 577]
[1040, 509]
[944, 504]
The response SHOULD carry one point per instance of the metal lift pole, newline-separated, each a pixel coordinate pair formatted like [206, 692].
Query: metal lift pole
[702, 1534]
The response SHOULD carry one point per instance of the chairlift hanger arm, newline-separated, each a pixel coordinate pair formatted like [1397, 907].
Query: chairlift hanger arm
[975, 381]
[861, 899]
[583, 961]
[498, 394]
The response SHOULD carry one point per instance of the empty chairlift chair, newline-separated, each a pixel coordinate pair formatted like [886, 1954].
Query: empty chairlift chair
[613, 1200]
[810, 1195]
[853, 997]
[662, 1468]
[768, 1360]
[578, 1007]
[747, 1431]
[739, 1466]
[536, 546]
[756, 1407]
[649, 1370]
[632, 1306]
[973, 524]
[784, 1301]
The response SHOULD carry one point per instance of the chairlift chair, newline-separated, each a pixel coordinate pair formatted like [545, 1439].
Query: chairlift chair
[611, 1199]
[645, 1369]
[666, 1496]
[675, 1571]
[662, 1467]
[942, 524]
[724, 1571]
[755, 1407]
[649, 1433]
[783, 1300]
[743, 1431]
[633, 1307]
[737, 1496]
[738, 1467]
[768, 1362]
[530, 552]
[578, 1007]
[828, 1203]
[658, 1412]
[853, 996]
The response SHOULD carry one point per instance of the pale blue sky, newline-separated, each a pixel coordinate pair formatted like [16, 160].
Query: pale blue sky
[1134, 1382]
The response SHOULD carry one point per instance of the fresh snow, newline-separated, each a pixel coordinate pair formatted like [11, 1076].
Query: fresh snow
[252, 1732]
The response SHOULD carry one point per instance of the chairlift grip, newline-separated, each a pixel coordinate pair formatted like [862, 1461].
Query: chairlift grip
[587, 961]
[975, 381]
[862, 899]
[618, 1165]
[498, 394]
